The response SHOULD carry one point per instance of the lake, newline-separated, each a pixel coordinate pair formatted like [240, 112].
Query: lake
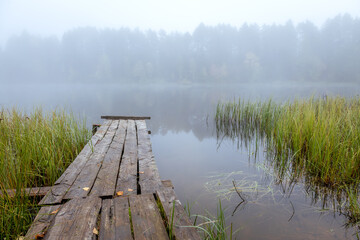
[202, 166]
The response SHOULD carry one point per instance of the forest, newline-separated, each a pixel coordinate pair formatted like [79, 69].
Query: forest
[210, 54]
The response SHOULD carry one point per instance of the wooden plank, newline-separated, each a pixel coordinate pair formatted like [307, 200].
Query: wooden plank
[167, 183]
[105, 182]
[107, 226]
[127, 179]
[85, 180]
[31, 192]
[75, 220]
[149, 179]
[182, 223]
[73, 170]
[146, 219]
[42, 221]
[125, 117]
[61, 186]
[55, 194]
[122, 219]
[115, 220]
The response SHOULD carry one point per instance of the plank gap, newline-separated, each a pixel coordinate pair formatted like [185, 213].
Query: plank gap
[137, 162]
[121, 158]
[168, 223]
[130, 219]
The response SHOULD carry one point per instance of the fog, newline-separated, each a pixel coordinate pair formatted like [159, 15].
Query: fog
[223, 53]
[179, 41]
[54, 17]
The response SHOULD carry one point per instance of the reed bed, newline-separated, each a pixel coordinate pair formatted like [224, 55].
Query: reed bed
[318, 138]
[315, 140]
[35, 149]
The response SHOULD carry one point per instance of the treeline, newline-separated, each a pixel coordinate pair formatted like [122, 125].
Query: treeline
[211, 54]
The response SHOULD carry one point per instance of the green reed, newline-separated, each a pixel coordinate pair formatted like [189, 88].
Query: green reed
[317, 138]
[212, 227]
[35, 149]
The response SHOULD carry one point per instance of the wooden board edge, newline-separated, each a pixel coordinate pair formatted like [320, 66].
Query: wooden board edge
[126, 117]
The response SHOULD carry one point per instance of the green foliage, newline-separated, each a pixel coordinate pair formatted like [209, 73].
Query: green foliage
[35, 149]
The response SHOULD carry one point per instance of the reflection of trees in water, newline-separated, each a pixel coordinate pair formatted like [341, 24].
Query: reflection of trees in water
[171, 109]
[341, 199]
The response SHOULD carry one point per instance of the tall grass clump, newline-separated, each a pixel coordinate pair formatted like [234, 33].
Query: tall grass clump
[318, 138]
[35, 149]
[245, 119]
[213, 227]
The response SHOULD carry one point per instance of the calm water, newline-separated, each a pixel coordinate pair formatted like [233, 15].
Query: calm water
[202, 167]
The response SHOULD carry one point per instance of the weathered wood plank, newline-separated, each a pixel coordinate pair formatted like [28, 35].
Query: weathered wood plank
[167, 183]
[57, 192]
[42, 221]
[182, 223]
[73, 170]
[107, 226]
[146, 219]
[75, 220]
[87, 176]
[127, 179]
[31, 192]
[122, 219]
[124, 117]
[105, 182]
[149, 179]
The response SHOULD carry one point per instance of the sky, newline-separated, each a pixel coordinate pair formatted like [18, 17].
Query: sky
[54, 17]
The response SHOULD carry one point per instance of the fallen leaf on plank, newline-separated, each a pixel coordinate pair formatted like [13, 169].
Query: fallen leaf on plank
[54, 212]
[120, 193]
[86, 188]
[40, 236]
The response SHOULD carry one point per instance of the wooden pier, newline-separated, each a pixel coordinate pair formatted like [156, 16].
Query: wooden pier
[112, 190]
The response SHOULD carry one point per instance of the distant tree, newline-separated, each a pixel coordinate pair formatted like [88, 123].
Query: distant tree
[310, 63]
[340, 48]
[211, 54]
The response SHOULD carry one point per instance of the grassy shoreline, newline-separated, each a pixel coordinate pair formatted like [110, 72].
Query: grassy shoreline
[35, 149]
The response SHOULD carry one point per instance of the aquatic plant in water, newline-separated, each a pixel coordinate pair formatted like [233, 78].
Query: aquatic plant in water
[315, 140]
[317, 137]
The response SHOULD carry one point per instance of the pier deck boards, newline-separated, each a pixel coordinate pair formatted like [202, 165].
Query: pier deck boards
[112, 190]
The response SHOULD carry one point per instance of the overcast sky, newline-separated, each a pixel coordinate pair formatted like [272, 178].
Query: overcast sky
[53, 17]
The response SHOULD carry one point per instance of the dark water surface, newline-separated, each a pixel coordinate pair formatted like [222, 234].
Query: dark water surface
[202, 167]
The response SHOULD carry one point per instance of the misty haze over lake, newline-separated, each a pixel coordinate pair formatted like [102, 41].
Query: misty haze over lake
[211, 54]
